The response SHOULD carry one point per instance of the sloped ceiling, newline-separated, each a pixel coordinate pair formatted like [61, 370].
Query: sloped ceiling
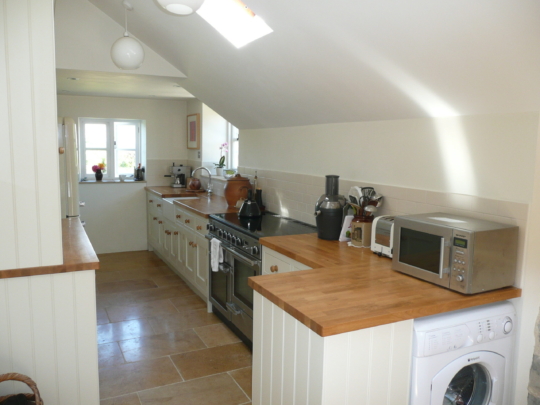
[354, 60]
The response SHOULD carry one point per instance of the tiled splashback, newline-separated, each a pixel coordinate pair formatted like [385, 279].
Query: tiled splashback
[156, 169]
[294, 195]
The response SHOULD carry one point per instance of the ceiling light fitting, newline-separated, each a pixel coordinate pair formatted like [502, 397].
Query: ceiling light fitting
[181, 7]
[127, 53]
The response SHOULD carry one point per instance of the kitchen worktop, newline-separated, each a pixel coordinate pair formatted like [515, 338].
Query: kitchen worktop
[351, 288]
[78, 253]
[203, 206]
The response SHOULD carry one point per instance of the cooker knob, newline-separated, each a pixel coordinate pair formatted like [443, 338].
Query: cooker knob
[238, 242]
[220, 233]
[254, 250]
[229, 236]
[233, 240]
[211, 227]
[508, 325]
[459, 278]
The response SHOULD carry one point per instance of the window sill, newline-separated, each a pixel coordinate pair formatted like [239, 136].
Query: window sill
[112, 182]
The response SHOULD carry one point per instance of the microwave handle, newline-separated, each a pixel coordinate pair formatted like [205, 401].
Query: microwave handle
[441, 259]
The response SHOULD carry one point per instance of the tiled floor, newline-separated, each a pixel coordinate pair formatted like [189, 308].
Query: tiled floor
[157, 343]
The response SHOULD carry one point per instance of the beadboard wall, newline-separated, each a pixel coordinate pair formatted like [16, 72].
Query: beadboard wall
[48, 332]
[30, 202]
[294, 195]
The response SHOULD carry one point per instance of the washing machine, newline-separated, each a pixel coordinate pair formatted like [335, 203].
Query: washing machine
[464, 357]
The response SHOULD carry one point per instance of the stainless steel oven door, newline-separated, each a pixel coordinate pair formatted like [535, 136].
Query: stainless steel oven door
[422, 250]
[243, 267]
[220, 288]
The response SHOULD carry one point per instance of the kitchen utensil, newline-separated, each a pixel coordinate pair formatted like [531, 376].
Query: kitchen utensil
[235, 189]
[329, 210]
[370, 210]
[355, 193]
[249, 208]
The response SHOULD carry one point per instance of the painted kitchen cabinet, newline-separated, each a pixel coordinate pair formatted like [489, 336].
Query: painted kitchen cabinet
[177, 236]
[275, 263]
[297, 366]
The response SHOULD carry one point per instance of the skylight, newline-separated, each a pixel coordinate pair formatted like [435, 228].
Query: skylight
[234, 20]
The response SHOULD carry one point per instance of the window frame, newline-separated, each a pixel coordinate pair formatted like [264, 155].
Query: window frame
[111, 150]
[233, 135]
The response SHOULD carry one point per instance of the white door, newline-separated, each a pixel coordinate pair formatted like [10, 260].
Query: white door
[473, 379]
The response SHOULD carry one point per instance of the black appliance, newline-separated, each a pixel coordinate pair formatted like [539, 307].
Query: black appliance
[230, 295]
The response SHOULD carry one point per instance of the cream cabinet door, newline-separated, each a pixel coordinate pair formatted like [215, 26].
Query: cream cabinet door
[191, 255]
[201, 276]
[276, 263]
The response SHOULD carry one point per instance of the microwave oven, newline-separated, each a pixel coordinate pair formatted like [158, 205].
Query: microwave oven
[463, 254]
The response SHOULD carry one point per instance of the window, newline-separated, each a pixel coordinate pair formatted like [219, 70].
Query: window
[234, 141]
[117, 143]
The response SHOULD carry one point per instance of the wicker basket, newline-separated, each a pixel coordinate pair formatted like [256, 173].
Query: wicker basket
[28, 381]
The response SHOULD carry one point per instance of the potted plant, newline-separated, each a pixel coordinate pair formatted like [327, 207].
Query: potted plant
[221, 164]
[99, 169]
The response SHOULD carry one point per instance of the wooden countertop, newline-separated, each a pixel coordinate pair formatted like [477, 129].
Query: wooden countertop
[204, 206]
[351, 288]
[78, 253]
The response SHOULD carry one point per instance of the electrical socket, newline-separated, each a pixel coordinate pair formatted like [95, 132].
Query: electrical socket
[199, 154]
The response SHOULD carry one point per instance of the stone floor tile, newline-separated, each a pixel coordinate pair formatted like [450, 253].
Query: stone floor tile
[216, 335]
[119, 313]
[124, 285]
[102, 317]
[160, 345]
[132, 377]
[114, 332]
[149, 272]
[188, 303]
[165, 281]
[183, 320]
[215, 360]
[243, 378]
[109, 354]
[214, 390]
[130, 399]
[137, 297]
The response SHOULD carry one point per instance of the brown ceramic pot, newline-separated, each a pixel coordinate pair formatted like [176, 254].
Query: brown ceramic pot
[236, 188]
[194, 183]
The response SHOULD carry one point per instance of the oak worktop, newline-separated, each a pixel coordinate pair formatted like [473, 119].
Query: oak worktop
[203, 206]
[78, 254]
[351, 288]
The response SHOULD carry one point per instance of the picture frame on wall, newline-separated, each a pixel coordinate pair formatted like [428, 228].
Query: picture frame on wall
[194, 131]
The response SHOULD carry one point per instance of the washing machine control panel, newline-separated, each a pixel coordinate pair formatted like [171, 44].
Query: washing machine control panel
[441, 340]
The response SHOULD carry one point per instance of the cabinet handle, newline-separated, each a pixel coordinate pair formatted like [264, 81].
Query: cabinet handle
[150, 201]
[159, 205]
[194, 245]
[155, 219]
[187, 221]
[274, 269]
[199, 227]
[175, 233]
[160, 222]
[168, 232]
[190, 243]
[179, 216]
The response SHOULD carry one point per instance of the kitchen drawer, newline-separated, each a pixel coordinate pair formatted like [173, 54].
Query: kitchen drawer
[185, 219]
[200, 225]
[272, 260]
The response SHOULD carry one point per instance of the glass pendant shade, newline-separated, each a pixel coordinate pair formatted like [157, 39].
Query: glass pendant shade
[127, 53]
[181, 7]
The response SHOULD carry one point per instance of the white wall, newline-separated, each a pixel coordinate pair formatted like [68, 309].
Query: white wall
[84, 36]
[490, 156]
[214, 129]
[194, 107]
[115, 216]
[30, 199]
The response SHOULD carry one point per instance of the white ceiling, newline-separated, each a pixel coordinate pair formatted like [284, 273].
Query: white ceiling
[107, 84]
[354, 60]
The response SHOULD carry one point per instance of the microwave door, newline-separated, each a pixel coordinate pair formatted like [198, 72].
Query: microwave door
[424, 252]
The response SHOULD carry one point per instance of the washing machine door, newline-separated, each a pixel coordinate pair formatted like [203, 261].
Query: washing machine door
[474, 379]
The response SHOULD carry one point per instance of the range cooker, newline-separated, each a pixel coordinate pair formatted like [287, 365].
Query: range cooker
[230, 295]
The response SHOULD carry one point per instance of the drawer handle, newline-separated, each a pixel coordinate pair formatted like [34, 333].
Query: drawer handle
[199, 227]
[179, 216]
[150, 201]
[155, 219]
[175, 233]
[168, 232]
[159, 205]
[187, 221]
[274, 269]
[194, 245]
[160, 222]
[190, 243]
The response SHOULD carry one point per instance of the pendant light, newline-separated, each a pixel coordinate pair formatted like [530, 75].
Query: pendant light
[127, 53]
[181, 7]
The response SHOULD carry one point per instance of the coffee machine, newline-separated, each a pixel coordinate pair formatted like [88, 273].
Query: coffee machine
[179, 174]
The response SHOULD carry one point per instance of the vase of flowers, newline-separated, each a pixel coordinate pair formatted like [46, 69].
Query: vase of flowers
[221, 164]
[99, 169]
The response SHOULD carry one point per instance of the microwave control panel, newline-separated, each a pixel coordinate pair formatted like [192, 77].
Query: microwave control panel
[460, 260]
